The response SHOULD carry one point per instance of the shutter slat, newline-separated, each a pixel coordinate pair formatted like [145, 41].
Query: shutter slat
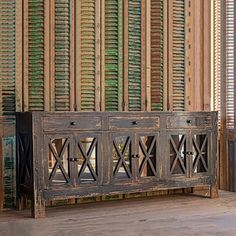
[62, 55]
[134, 54]
[88, 54]
[157, 55]
[8, 55]
[113, 54]
[178, 67]
[36, 54]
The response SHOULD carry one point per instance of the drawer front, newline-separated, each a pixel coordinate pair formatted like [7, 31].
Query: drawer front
[59, 123]
[176, 122]
[117, 123]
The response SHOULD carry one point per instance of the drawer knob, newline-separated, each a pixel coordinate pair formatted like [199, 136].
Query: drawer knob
[72, 123]
[189, 121]
[73, 159]
[134, 122]
[135, 156]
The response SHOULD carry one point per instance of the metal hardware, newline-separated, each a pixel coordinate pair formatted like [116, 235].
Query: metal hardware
[188, 153]
[73, 159]
[135, 156]
[189, 121]
[72, 123]
[134, 122]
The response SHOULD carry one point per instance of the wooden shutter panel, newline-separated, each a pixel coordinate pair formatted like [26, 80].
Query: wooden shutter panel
[134, 55]
[157, 55]
[230, 64]
[177, 54]
[88, 41]
[113, 55]
[36, 54]
[8, 55]
[62, 55]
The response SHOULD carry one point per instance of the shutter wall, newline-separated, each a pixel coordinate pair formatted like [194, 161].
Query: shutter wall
[177, 58]
[62, 55]
[134, 55]
[8, 55]
[230, 67]
[113, 55]
[157, 69]
[217, 59]
[36, 54]
[87, 54]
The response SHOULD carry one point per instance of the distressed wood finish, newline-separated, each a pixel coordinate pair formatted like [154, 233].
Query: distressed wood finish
[82, 154]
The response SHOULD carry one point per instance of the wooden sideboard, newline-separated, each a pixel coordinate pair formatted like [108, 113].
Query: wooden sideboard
[83, 154]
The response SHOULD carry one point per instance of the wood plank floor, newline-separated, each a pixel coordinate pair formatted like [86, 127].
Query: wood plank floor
[163, 215]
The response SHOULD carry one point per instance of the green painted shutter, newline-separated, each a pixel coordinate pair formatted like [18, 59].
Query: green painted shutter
[178, 55]
[7, 55]
[113, 54]
[157, 55]
[36, 54]
[62, 55]
[134, 44]
[88, 54]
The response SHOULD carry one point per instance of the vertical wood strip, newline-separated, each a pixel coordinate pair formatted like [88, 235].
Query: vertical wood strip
[126, 53]
[206, 55]
[144, 55]
[1, 155]
[148, 55]
[72, 55]
[78, 54]
[189, 57]
[165, 55]
[19, 61]
[47, 55]
[102, 78]
[25, 57]
[97, 56]
[170, 55]
[52, 55]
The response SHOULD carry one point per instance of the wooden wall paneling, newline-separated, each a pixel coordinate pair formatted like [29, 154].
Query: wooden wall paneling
[190, 55]
[156, 90]
[113, 58]
[134, 55]
[125, 54]
[1, 155]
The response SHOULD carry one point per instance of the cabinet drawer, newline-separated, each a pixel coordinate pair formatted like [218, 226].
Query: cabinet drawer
[176, 122]
[59, 123]
[116, 123]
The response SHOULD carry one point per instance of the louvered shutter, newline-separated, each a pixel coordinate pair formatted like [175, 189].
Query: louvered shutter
[88, 76]
[36, 54]
[134, 55]
[217, 58]
[157, 55]
[177, 50]
[113, 55]
[8, 55]
[230, 64]
[62, 55]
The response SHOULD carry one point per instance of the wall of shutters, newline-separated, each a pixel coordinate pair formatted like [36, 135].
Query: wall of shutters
[92, 55]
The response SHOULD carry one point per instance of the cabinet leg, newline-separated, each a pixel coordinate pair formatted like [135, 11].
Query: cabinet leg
[37, 208]
[214, 191]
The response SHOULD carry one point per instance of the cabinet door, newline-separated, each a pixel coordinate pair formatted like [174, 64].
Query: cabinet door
[177, 162]
[87, 159]
[56, 160]
[121, 158]
[200, 144]
[147, 155]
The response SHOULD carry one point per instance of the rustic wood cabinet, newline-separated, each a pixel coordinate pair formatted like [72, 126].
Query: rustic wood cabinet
[73, 155]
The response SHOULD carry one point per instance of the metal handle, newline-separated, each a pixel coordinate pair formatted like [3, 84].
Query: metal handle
[72, 123]
[134, 122]
[135, 156]
[73, 159]
[189, 121]
[188, 153]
